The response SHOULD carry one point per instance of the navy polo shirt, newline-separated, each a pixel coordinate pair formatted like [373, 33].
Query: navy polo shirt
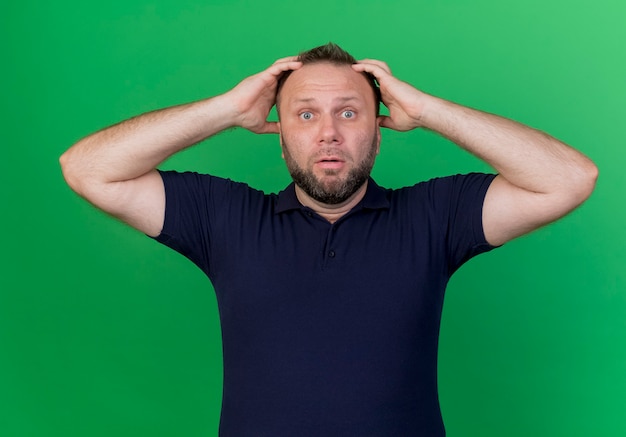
[328, 329]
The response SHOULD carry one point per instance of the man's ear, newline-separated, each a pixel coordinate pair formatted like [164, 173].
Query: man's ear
[378, 133]
[280, 140]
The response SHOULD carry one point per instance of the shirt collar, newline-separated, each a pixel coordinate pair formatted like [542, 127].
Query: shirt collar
[375, 198]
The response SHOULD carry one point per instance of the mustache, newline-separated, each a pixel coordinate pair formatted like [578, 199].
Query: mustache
[322, 152]
[331, 151]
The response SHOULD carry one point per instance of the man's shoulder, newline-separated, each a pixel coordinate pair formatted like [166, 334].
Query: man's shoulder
[441, 190]
[207, 182]
[443, 181]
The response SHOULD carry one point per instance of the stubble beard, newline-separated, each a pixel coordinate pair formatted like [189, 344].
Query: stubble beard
[332, 190]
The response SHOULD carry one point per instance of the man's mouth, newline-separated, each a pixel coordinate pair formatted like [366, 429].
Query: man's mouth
[330, 162]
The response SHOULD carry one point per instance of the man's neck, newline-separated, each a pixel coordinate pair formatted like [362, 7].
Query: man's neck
[332, 213]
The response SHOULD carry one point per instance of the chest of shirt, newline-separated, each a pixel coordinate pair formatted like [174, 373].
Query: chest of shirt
[368, 263]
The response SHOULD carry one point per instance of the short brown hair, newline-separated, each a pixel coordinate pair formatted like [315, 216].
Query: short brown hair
[333, 54]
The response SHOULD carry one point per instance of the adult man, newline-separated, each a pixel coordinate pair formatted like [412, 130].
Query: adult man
[330, 293]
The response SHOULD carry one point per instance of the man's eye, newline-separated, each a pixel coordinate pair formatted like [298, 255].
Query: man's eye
[306, 115]
[347, 114]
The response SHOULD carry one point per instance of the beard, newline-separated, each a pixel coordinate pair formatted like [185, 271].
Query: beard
[331, 190]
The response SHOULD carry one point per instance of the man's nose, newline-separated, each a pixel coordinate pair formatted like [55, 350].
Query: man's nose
[329, 130]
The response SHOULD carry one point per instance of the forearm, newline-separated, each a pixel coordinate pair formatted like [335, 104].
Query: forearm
[526, 157]
[134, 147]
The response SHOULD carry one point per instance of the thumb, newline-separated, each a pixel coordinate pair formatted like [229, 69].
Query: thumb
[386, 121]
[270, 127]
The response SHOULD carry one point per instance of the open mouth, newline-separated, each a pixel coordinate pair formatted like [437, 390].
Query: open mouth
[330, 163]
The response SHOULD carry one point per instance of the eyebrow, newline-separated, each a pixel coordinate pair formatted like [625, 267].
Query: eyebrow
[312, 99]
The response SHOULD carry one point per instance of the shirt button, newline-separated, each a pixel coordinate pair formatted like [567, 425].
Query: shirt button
[331, 254]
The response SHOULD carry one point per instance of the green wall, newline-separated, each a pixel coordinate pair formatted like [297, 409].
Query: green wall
[104, 332]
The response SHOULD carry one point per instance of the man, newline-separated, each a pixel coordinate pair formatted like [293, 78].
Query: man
[330, 293]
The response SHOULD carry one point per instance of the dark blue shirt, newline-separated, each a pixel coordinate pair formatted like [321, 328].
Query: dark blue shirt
[328, 329]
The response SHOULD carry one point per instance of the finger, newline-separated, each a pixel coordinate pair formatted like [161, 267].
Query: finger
[280, 67]
[270, 127]
[386, 121]
[381, 64]
[377, 71]
[286, 59]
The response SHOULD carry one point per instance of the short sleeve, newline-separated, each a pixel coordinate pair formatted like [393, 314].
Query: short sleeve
[457, 205]
[192, 204]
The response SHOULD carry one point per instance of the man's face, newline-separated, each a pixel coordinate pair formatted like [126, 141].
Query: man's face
[329, 130]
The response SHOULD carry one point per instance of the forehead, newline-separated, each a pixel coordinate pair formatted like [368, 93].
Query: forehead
[322, 81]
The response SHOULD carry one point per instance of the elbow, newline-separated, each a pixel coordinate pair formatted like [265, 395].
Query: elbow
[66, 168]
[584, 182]
[63, 161]
[591, 173]
[69, 169]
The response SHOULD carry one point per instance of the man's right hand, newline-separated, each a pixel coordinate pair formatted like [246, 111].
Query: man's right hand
[255, 96]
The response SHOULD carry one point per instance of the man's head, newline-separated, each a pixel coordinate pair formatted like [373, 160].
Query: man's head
[328, 124]
[333, 54]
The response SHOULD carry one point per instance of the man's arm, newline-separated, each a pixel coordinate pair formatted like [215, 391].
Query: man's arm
[540, 178]
[115, 169]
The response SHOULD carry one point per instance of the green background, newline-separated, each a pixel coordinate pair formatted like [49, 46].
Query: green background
[104, 332]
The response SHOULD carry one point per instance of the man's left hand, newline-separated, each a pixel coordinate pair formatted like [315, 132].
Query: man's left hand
[406, 104]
